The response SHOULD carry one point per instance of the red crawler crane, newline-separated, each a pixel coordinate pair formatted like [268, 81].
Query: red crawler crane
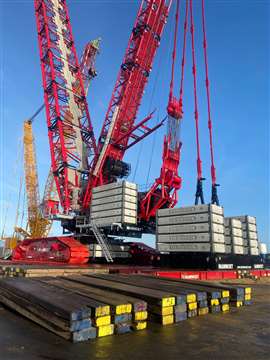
[79, 164]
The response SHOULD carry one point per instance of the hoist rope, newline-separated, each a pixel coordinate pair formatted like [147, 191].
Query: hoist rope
[183, 57]
[208, 94]
[199, 189]
[196, 113]
[207, 85]
[174, 50]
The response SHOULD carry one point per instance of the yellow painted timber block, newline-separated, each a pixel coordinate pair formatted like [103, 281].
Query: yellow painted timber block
[192, 306]
[191, 298]
[167, 310]
[102, 311]
[225, 293]
[139, 325]
[103, 320]
[140, 315]
[123, 309]
[169, 301]
[214, 302]
[203, 311]
[248, 290]
[239, 303]
[167, 320]
[225, 307]
[247, 296]
[105, 330]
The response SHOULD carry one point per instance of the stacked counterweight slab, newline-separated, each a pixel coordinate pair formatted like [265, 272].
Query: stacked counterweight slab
[234, 236]
[250, 234]
[114, 203]
[198, 228]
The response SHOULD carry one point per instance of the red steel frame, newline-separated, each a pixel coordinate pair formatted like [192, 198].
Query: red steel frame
[50, 203]
[164, 190]
[129, 88]
[60, 129]
[191, 274]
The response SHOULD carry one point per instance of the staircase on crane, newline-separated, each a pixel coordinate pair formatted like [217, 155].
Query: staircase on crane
[102, 241]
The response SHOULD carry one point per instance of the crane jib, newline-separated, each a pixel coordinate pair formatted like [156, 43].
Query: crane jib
[128, 92]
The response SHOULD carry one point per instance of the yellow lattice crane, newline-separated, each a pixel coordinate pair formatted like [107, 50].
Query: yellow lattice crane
[37, 224]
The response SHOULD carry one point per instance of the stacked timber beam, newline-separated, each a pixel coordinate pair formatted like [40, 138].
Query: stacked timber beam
[128, 312]
[41, 270]
[235, 295]
[67, 316]
[198, 228]
[83, 307]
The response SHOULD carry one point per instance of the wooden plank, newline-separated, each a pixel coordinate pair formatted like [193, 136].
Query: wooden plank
[212, 292]
[37, 310]
[182, 294]
[84, 335]
[122, 328]
[105, 330]
[57, 301]
[163, 320]
[180, 317]
[97, 304]
[118, 305]
[26, 313]
[123, 318]
[139, 325]
[158, 310]
[239, 289]
[201, 295]
[149, 295]
[138, 304]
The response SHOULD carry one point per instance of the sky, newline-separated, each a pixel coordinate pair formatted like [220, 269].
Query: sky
[238, 51]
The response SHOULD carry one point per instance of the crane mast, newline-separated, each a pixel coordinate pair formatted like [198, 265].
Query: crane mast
[118, 127]
[71, 136]
[50, 201]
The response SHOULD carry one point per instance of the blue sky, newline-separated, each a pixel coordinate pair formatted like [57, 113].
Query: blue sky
[238, 40]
